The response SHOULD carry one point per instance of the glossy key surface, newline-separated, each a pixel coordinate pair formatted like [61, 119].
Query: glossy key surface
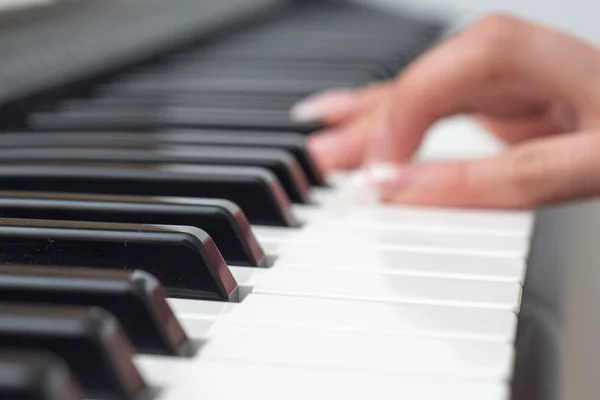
[279, 162]
[89, 340]
[224, 221]
[256, 191]
[293, 143]
[31, 375]
[184, 259]
[135, 298]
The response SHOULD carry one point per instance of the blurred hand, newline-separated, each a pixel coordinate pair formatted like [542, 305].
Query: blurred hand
[534, 87]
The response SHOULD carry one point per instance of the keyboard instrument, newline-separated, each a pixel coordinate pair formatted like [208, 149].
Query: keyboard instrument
[166, 234]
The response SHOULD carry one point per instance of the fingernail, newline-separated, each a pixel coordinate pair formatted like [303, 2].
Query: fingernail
[316, 108]
[385, 177]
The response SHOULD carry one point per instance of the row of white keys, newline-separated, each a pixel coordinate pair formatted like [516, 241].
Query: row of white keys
[343, 350]
[344, 359]
[424, 334]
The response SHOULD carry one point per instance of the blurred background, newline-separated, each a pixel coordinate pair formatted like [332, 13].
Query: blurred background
[578, 16]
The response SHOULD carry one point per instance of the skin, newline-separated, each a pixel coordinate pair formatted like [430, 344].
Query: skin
[536, 88]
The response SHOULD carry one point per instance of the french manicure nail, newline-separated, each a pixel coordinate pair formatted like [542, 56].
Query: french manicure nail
[385, 177]
[316, 108]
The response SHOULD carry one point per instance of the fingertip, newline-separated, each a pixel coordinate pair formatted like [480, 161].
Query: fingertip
[321, 106]
[324, 147]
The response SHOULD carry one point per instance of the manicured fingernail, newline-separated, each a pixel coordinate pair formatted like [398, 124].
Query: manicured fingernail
[316, 108]
[385, 177]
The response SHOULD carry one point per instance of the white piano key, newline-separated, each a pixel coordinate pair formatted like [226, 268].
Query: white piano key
[339, 179]
[489, 222]
[359, 351]
[343, 233]
[227, 380]
[371, 286]
[339, 206]
[419, 319]
[307, 213]
[323, 196]
[359, 205]
[246, 278]
[206, 308]
[422, 263]
[198, 329]
[210, 380]
[275, 233]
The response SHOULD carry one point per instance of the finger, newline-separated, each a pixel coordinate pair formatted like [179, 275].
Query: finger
[543, 171]
[558, 119]
[338, 105]
[342, 147]
[444, 81]
[513, 132]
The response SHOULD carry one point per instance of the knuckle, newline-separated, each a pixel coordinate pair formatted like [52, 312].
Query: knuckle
[500, 29]
[530, 173]
[494, 41]
[499, 34]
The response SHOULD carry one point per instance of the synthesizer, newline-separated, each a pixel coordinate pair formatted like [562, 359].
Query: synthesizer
[166, 234]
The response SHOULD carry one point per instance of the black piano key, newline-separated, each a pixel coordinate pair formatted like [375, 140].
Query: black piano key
[256, 191]
[31, 375]
[97, 119]
[151, 117]
[293, 143]
[298, 87]
[135, 298]
[89, 340]
[249, 69]
[279, 162]
[244, 101]
[184, 259]
[197, 117]
[264, 82]
[370, 67]
[224, 221]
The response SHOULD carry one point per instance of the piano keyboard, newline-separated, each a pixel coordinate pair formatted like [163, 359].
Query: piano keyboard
[166, 234]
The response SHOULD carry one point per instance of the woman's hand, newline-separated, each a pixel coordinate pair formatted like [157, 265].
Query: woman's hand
[536, 88]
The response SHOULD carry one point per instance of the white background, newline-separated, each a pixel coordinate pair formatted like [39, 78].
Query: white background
[578, 16]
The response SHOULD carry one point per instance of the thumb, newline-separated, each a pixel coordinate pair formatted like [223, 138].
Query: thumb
[544, 171]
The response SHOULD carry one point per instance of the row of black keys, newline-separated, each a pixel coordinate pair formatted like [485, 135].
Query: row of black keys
[72, 333]
[250, 80]
[69, 201]
[261, 173]
[75, 204]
